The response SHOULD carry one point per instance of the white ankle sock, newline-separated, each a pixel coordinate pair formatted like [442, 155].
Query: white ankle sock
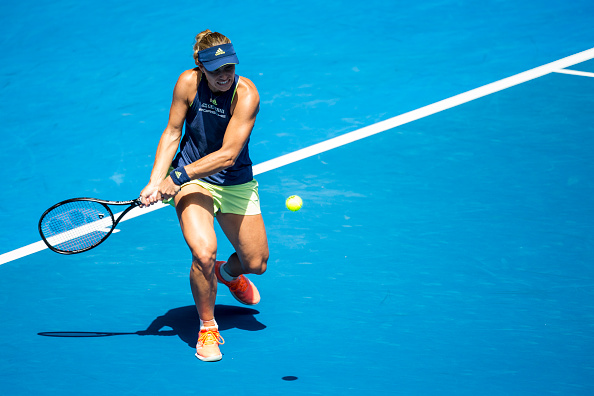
[226, 274]
[202, 324]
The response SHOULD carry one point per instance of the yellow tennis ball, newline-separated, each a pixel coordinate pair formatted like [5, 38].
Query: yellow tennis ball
[294, 203]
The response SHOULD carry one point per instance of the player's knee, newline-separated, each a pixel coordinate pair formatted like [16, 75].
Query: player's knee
[203, 259]
[258, 265]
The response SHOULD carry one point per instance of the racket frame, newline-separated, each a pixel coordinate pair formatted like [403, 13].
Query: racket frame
[132, 204]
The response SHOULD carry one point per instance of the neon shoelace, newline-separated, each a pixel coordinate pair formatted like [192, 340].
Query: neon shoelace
[210, 337]
[239, 285]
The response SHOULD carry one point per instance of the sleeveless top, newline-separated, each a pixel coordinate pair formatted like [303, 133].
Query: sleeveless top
[206, 123]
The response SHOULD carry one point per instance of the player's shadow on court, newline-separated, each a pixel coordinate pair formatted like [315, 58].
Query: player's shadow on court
[182, 322]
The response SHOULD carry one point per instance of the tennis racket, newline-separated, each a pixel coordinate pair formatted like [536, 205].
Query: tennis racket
[80, 224]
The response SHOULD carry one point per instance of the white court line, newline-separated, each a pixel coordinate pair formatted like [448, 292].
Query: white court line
[556, 66]
[575, 72]
[424, 111]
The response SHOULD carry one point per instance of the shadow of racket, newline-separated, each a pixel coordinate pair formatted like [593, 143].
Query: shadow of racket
[80, 334]
[182, 322]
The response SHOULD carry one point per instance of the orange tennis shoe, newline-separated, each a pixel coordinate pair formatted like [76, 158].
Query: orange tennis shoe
[207, 348]
[241, 288]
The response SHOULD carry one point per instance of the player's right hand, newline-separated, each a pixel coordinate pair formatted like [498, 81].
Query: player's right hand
[150, 195]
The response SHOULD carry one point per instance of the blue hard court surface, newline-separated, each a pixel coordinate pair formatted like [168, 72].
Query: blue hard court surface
[451, 255]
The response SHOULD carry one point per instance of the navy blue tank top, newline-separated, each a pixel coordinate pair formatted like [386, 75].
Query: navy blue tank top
[206, 123]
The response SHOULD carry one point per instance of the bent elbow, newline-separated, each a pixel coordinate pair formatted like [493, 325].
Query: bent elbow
[229, 161]
[226, 158]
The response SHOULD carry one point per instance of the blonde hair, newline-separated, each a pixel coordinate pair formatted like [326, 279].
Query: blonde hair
[207, 39]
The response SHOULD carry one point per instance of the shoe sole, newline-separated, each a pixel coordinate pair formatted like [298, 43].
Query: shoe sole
[243, 302]
[215, 358]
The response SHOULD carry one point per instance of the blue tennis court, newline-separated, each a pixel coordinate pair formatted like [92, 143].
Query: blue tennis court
[443, 151]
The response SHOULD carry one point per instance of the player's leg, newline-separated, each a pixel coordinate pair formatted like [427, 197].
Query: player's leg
[247, 234]
[248, 237]
[194, 206]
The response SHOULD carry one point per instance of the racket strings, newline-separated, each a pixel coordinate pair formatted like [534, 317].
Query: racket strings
[76, 225]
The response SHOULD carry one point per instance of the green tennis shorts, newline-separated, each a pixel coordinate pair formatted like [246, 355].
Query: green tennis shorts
[242, 199]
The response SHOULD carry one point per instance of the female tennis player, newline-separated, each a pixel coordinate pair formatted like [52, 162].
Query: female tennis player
[210, 177]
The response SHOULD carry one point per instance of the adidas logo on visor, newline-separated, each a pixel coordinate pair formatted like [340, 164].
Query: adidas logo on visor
[219, 52]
